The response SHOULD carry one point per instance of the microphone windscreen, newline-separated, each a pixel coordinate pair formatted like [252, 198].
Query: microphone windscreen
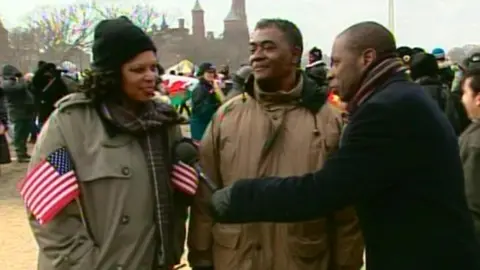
[186, 152]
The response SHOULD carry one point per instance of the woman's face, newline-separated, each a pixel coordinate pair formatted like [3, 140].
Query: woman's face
[209, 75]
[139, 77]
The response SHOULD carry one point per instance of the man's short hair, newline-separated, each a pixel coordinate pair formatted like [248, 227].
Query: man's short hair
[474, 74]
[371, 35]
[289, 29]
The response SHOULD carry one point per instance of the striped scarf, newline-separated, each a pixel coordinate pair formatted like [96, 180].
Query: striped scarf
[150, 127]
[379, 74]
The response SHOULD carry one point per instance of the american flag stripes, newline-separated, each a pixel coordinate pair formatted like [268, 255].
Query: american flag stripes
[50, 186]
[185, 178]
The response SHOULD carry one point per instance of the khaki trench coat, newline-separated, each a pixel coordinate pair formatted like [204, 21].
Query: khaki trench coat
[112, 225]
[240, 143]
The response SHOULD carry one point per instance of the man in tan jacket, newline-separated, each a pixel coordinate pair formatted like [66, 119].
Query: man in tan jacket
[280, 126]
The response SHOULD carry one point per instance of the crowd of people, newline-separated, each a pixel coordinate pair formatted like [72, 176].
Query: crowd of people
[380, 172]
[28, 99]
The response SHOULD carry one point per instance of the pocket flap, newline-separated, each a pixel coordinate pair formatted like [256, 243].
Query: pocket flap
[102, 169]
[226, 235]
[307, 248]
[81, 248]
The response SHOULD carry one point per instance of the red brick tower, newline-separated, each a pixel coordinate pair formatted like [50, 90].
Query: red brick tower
[235, 24]
[198, 21]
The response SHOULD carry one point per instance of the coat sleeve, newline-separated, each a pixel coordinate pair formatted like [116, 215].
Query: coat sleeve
[64, 242]
[359, 169]
[200, 229]
[471, 169]
[181, 203]
[346, 234]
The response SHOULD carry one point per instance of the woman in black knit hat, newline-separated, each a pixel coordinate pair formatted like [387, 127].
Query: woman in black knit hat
[129, 208]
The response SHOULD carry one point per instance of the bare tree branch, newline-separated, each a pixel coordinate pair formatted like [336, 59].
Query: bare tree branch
[62, 29]
[145, 16]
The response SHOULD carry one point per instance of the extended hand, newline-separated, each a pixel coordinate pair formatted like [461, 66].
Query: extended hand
[220, 203]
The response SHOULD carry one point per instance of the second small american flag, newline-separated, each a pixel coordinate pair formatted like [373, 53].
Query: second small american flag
[185, 178]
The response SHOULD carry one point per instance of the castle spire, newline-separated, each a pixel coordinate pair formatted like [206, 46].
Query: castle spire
[198, 21]
[197, 6]
[164, 24]
[237, 11]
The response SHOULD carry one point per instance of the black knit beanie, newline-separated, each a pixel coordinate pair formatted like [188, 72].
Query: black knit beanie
[116, 41]
[423, 64]
[204, 67]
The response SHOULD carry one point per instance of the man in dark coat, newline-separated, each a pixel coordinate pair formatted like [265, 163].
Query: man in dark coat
[20, 109]
[470, 145]
[424, 71]
[48, 88]
[317, 69]
[398, 162]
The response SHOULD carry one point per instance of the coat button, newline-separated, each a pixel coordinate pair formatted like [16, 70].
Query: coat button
[126, 171]
[125, 219]
[258, 246]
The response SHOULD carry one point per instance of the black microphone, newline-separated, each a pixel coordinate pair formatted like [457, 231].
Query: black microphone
[186, 152]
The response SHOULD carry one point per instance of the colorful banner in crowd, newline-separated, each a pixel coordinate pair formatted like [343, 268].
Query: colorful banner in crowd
[179, 88]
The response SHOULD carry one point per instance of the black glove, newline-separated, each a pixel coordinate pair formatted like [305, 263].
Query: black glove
[220, 203]
[203, 268]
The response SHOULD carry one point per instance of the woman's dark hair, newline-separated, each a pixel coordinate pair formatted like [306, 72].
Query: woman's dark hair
[100, 85]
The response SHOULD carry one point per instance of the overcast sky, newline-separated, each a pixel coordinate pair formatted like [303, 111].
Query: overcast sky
[425, 23]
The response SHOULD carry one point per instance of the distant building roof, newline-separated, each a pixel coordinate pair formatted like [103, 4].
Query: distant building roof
[197, 6]
[233, 16]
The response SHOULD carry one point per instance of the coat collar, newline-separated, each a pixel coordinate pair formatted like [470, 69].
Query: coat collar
[312, 97]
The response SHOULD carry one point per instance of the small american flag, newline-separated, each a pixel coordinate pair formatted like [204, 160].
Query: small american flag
[185, 178]
[50, 186]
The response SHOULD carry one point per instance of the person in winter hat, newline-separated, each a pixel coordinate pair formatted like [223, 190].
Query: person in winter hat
[20, 107]
[317, 69]
[70, 76]
[416, 50]
[47, 88]
[206, 99]
[424, 71]
[405, 53]
[132, 210]
[315, 54]
[446, 72]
